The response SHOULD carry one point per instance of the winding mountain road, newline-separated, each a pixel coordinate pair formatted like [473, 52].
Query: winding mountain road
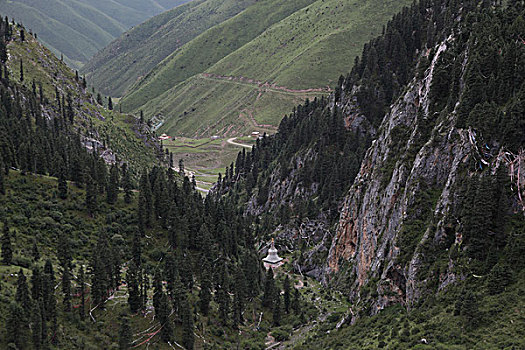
[231, 141]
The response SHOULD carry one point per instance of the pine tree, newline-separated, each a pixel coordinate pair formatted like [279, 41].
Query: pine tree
[277, 311]
[65, 257]
[296, 303]
[48, 290]
[181, 167]
[16, 327]
[7, 250]
[157, 292]
[112, 186]
[188, 338]
[469, 310]
[34, 251]
[2, 184]
[99, 99]
[91, 196]
[126, 184]
[22, 293]
[269, 290]
[36, 284]
[132, 280]
[110, 104]
[223, 299]
[205, 291]
[145, 207]
[66, 288]
[136, 249]
[286, 287]
[166, 331]
[239, 296]
[125, 334]
[100, 280]
[81, 284]
[36, 326]
[21, 71]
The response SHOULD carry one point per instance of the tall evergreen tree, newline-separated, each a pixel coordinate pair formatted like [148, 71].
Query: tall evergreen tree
[240, 292]
[132, 280]
[125, 334]
[36, 326]
[2, 184]
[269, 289]
[277, 311]
[188, 338]
[65, 257]
[127, 185]
[145, 205]
[205, 291]
[35, 252]
[112, 185]
[7, 249]
[166, 331]
[81, 285]
[286, 287]
[91, 195]
[16, 327]
[22, 294]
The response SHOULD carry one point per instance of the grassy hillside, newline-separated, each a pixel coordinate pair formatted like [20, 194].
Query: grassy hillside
[210, 47]
[136, 53]
[119, 134]
[79, 28]
[257, 81]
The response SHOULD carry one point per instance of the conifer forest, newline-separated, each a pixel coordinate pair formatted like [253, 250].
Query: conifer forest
[385, 210]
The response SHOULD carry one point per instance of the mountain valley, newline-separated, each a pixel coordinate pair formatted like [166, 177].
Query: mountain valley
[387, 175]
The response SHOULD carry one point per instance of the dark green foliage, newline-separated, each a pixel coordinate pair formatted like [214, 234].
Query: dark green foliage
[125, 334]
[132, 279]
[499, 278]
[205, 291]
[81, 284]
[36, 326]
[166, 332]
[16, 327]
[91, 195]
[469, 310]
[99, 99]
[277, 311]
[188, 338]
[7, 249]
[126, 184]
[62, 185]
[112, 185]
[296, 302]
[239, 297]
[22, 295]
[269, 290]
[286, 296]
[2, 181]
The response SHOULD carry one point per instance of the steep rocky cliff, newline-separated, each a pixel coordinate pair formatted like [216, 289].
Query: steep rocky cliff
[401, 227]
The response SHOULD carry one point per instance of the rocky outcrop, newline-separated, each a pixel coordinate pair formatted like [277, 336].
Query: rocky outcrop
[417, 154]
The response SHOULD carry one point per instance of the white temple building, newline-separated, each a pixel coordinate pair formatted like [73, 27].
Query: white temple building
[272, 259]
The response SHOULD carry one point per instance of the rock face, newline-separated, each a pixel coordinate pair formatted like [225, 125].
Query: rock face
[417, 154]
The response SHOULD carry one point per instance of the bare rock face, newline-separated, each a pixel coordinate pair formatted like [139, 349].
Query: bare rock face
[417, 154]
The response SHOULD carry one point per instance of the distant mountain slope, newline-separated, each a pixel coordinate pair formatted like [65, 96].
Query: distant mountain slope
[302, 53]
[79, 28]
[114, 69]
[210, 47]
